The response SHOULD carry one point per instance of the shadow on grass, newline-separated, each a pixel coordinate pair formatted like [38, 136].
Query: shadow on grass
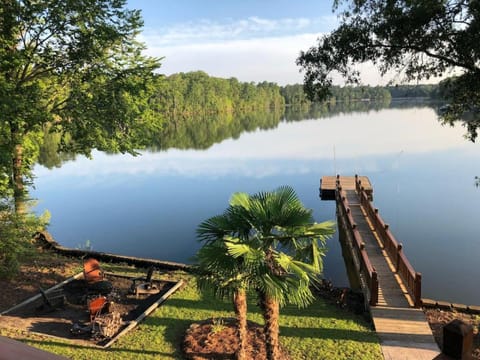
[328, 333]
[174, 329]
[200, 304]
[316, 310]
[84, 347]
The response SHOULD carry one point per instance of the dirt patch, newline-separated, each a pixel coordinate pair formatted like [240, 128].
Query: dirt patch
[217, 339]
[71, 320]
[46, 270]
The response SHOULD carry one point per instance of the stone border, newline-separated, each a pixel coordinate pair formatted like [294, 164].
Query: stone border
[445, 305]
[46, 241]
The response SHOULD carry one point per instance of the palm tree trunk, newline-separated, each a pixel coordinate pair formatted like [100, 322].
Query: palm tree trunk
[271, 313]
[240, 305]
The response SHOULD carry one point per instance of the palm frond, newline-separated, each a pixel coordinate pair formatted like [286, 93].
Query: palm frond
[240, 220]
[252, 256]
[323, 230]
[214, 228]
[214, 257]
[302, 296]
[240, 199]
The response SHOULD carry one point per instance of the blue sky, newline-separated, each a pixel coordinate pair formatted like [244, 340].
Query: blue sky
[247, 39]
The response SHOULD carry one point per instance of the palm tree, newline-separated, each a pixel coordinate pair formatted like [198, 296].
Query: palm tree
[220, 272]
[275, 248]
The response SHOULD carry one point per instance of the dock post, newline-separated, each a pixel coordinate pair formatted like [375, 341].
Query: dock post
[418, 290]
[399, 251]
[374, 289]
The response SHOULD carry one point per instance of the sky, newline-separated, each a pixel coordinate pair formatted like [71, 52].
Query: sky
[252, 40]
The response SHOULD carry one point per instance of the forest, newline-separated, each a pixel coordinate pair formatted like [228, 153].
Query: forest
[197, 93]
[185, 94]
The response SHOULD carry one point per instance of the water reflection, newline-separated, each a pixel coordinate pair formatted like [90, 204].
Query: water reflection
[291, 148]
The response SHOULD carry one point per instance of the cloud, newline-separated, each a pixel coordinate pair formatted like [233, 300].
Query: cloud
[208, 31]
[250, 49]
[258, 59]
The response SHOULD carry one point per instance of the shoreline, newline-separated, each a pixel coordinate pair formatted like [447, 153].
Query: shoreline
[46, 241]
[446, 305]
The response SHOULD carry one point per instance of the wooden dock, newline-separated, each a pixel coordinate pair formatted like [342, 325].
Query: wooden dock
[391, 287]
[328, 185]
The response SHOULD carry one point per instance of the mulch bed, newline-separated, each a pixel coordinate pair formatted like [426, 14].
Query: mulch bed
[217, 339]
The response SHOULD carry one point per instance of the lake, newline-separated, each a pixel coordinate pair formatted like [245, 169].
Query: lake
[423, 176]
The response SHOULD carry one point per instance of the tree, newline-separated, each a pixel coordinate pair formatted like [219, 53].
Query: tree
[276, 249]
[417, 39]
[73, 67]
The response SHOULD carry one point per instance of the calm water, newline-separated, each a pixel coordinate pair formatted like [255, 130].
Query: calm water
[423, 176]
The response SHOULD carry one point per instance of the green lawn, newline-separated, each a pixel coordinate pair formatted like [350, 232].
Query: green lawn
[320, 331]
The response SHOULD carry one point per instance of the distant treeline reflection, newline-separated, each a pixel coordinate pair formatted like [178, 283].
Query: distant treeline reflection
[200, 132]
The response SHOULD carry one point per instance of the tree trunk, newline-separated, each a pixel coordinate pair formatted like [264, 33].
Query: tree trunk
[240, 305]
[17, 175]
[271, 313]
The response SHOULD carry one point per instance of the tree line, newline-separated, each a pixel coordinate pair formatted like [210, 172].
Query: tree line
[194, 93]
[296, 95]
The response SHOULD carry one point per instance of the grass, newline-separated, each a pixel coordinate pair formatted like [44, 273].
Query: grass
[320, 331]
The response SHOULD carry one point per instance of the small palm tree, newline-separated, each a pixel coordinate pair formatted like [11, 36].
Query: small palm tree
[220, 272]
[274, 248]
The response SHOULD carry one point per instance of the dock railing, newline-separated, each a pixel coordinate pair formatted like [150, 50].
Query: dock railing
[366, 267]
[411, 278]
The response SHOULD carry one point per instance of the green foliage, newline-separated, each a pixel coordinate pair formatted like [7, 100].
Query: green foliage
[75, 68]
[16, 233]
[76, 65]
[265, 243]
[417, 39]
[463, 98]
[218, 325]
[414, 91]
[49, 154]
